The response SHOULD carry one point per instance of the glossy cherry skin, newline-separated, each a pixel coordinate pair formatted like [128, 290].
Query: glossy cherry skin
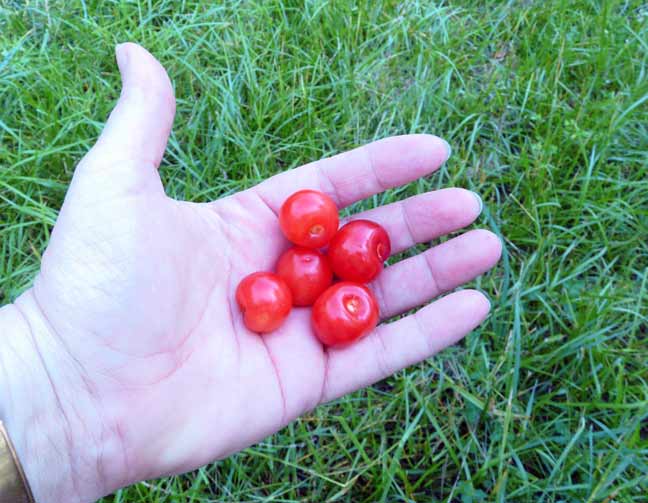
[358, 251]
[343, 313]
[265, 301]
[306, 272]
[309, 218]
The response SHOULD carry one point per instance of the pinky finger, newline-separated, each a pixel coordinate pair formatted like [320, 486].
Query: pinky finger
[405, 342]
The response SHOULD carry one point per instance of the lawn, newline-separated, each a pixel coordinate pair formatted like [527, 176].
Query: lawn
[545, 104]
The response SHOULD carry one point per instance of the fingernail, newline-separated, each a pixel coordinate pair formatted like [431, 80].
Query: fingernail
[448, 149]
[479, 200]
[121, 53]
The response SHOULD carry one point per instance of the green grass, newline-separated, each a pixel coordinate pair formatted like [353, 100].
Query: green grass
[546, 106]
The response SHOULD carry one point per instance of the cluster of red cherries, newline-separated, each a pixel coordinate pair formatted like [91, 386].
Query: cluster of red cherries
[342, 311]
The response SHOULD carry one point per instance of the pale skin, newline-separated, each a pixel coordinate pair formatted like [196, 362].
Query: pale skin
[128, 359]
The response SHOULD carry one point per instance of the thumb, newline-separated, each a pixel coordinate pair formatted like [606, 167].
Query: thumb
[139, 126]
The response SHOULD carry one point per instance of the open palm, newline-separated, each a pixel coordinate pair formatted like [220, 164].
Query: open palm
[134, 313]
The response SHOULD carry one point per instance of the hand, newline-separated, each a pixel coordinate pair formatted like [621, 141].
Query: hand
[128, 358]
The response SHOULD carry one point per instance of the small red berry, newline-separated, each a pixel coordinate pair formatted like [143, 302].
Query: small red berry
[265, 301]
[309, 218]
[358, 251]
[343, 313]
[306, 272]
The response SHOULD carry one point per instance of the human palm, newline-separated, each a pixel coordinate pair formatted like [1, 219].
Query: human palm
[136, 292]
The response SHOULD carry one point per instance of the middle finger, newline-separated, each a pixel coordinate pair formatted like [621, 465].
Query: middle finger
[424, 217]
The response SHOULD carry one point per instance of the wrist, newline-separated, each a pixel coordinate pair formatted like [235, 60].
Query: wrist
[42, 408]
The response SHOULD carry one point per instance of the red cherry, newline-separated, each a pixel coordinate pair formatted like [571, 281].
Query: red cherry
[309, 218]
[359, 249]
[265, 301]
[343, 313]
[306, 272]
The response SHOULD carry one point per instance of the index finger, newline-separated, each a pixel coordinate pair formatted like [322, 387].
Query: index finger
[362, 172]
